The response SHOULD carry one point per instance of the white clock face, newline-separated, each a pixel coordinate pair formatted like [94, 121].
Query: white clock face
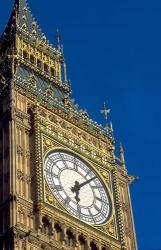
[77, 187]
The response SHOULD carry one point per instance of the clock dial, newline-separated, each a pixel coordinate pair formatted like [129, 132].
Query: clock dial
[77, 187]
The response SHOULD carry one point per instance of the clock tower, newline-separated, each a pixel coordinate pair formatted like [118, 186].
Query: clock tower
[61, 184]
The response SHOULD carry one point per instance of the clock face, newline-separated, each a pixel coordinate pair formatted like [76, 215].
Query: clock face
[77, 187]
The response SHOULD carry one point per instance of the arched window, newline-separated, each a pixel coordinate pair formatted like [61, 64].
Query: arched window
[46, 68]
[39, 64]
[25, 55]
[82, 242]
[93, 246]
[46, 226]
[53, 72]
[70, 238]
[32, 59]
[58, 230]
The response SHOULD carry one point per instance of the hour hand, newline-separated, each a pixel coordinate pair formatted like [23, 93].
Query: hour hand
[75, 190]
[77, 196]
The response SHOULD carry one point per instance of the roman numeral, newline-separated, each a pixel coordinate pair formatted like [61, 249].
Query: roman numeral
[87, 173]
[79, 209]
[102, 200]
[64, 162]
[75, 165]
[97, 208]
[91, 215]
[58, 188]
[67, 200]
[50, 160]
[51, 174]
[54, 175]
[99, 199]
[96, 187]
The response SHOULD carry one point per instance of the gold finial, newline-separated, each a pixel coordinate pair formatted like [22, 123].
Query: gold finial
[105, 111]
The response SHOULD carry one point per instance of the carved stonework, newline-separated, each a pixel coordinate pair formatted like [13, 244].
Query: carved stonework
[28, 179]
[20, 175]
[37, 117]
[20, 150]
[32, 81]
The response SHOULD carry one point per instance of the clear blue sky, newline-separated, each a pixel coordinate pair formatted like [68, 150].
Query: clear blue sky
[113, 53]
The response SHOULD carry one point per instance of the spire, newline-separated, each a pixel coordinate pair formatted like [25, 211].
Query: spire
[21, 38]
[122, 159]
[11, 25]
[105, 111]
[65, 71]
[58, 40]
[26, 22]
[111, 127]
[60, 48]
[23, 22]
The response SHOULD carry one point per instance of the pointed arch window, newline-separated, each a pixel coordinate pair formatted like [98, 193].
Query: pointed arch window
[53, 72]
[93, 246]
[58, 231]
[39, 64]
[82, 242]
[25, 55]
[70, 238]
[46, 68]
[32, 59]
[46, 226]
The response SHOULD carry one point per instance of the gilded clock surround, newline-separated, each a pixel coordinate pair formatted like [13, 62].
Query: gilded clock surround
[48, 145]
[49, 194]
[37, 115]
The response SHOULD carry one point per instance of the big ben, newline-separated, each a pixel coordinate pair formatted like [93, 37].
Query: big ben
[61, 184]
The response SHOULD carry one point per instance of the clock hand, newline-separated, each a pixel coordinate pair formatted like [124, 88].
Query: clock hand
[77, 197]
[86, 182]
[78, 186]
[75, 190]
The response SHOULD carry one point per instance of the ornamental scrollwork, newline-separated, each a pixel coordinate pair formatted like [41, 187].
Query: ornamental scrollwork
[21, 176]
[20, 150]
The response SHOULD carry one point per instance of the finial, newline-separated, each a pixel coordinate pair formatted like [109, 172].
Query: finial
[111, 126]
[62, 48]
[121, 148]
[65, 71]
[58, 40]
[122, 158]
[105, 111]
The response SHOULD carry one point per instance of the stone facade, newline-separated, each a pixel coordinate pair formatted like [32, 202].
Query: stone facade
[37, 115]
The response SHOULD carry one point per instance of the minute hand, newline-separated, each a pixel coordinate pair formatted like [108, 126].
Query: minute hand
[86, 182]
